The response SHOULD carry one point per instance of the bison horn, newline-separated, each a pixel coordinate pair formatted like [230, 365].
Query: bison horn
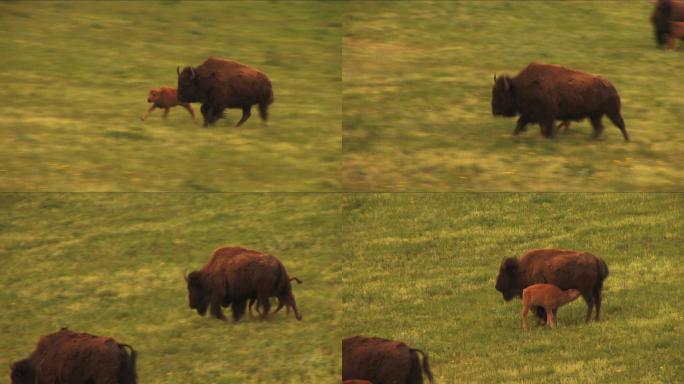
[178, 70]
[495, 77]
[192, 72]
[185, 275]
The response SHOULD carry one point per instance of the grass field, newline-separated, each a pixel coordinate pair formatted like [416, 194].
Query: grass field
[424, 270]
[75, 79]
[417, 97]
[112, 264]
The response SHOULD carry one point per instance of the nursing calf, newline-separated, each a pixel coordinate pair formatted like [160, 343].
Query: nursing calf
[547, 296]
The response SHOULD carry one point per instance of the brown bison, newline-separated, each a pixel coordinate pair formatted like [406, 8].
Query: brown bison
[67, 357]
[356, 382]
[219, 84]
[566, 269]
[382, 361]
[233, 276]
[546, 296]
[544, 93]
[166, 98]
[664, 13]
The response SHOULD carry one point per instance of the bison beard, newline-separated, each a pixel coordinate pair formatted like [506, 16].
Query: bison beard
[233, 276]
[566, 269]
[383, 361]
[70, 357]
[544, 93]
[219, 84]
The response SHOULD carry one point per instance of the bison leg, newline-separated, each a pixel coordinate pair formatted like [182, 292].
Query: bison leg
[547, 129]
[597, 302]
[263, 111]
[617, 120]
[246, 113]
[211, 113]
[189, 108]
[521, 125]
[148, 112]
[550, 318]
[265, 305]
[216, 308]
[590, 305]
[524, 317]
[238, 307]
[540, 314]
[598, 126]
[166, 112]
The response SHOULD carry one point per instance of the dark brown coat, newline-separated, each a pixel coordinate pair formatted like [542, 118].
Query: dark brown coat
[566, 269]
[166, 98]
[219, 84]
[382, 361]
[543, 93]
[67, 357]
[356, 382]
[235, 275]
[665, 12]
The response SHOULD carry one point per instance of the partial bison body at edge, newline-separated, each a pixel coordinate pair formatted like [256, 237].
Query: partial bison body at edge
[543, 93]
[666, 12]
[566, 269]
[219, 84]
[67, 357]
[383, 361]
[233, 276]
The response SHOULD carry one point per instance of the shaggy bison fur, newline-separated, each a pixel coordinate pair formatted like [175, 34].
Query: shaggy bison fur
[566, 269]
[546, 296]
[233, 276]
[165, 98]
[219, 84]
[382, 361]
[67, 357]
[664, 13]
[544, 93]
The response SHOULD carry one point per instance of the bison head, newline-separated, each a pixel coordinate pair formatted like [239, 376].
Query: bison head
[22, 372]
[189, 89]
[662, 13]
[198, 292]
[503, 99]
[507, 282]
[153, 95]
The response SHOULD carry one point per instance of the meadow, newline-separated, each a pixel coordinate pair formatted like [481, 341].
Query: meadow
[425, 266]
[113, 264]
[75, 80]
[417, 97]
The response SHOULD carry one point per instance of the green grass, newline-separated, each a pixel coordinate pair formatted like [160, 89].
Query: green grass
[112, 264]
[75, 77]
[417, 97]
[423, 269]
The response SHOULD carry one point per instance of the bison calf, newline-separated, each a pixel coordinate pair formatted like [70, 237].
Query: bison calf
[166, 98]
[69, 357]
[382, 361]
[544, 93]
[547, 296]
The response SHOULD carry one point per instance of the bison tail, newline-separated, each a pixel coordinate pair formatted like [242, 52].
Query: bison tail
[426, 364]
[295, 279]
[127, 370]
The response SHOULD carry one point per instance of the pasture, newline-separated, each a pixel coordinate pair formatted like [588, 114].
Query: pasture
[113, 264]
[422, 268]
[417, 97]
[75, 80]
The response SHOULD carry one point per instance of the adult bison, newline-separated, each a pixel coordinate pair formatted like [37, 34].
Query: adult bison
[543, 93]
[70, 357]
[219, 84]
[665, 12]
[382, 361]
[235, 275]
[566, 269]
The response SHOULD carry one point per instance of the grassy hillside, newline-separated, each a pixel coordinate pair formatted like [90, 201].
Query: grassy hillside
[424, 270]
[75, 79]
[112, 264]
[417, 97]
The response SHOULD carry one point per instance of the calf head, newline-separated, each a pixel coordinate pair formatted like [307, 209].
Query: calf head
[189, 88]
[154, 95]
[507, 281]
[198, 291]
[22, 372]
[503, 99]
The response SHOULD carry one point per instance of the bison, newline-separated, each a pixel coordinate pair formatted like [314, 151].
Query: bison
[544, 93]
[167, 98]
[566, 269]
[219, 84]
[382, 361]
[676, 31]
[664, 13]
[70, 357]
[233, 276]
[546, 296]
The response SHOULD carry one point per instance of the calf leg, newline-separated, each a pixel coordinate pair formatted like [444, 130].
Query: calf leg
[246, 112]
[550, 318]
[524, 317]
[148, 112]
[617, 120]
[166, 112]
[598, 126]
[189, 108]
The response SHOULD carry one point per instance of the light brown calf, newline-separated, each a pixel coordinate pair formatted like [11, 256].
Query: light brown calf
[165, 97]
[548, 296]
[676, 32]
